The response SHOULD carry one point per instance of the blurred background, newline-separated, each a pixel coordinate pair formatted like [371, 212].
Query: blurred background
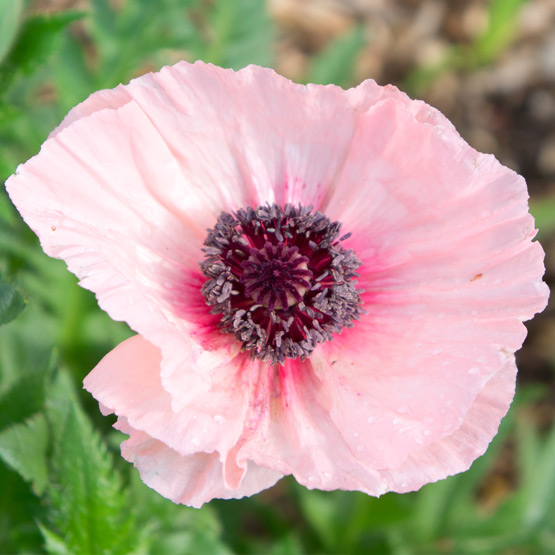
[488, 65]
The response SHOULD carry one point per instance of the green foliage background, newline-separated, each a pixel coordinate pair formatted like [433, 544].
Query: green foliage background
[64, 487]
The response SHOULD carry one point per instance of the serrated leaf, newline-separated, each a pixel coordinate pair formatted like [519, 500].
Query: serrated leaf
[10, 14]
[23, 447]
[85, 495]
[52, 542]
[18, 533]
[37, 39]
[11, 303]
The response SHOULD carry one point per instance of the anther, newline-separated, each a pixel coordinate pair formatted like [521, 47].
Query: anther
[280, 279]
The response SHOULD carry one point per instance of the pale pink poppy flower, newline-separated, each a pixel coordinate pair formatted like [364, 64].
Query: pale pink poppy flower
[183, 201]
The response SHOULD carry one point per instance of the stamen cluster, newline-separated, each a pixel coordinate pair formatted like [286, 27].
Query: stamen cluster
[280, 279]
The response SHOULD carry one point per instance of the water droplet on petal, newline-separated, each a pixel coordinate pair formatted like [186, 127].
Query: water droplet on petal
[219, 419]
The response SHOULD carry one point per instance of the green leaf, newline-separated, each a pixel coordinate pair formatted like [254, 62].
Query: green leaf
[23, 447]
[538, 469]
[38, 38]
[10, 14]
[430, 508]
[242, 34]
[11, 303]
[174, 529]
[320, 509]
[52, 542]
[22, 400]
[6, 207]
[503, 19]
[18, 505]
[335, 64]
[23, 392]
[543, 210]
[288, 545]
[87, 506]
[129, 36]
[74, 81]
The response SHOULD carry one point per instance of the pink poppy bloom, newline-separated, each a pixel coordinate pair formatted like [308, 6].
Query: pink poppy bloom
[324, 283]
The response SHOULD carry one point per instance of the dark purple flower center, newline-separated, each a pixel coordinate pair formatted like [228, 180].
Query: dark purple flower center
[280, 279]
